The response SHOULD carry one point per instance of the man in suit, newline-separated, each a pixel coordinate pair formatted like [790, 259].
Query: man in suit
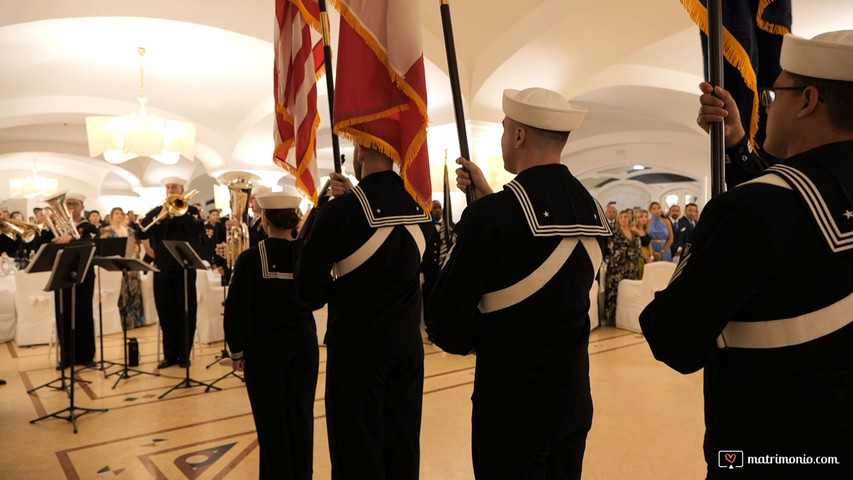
[610, 214]
[684, 228]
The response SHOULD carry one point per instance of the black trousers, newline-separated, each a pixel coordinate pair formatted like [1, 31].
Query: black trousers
[281, 383]
[84, 334]
[509, 446]
[169, 300]
[373, 410]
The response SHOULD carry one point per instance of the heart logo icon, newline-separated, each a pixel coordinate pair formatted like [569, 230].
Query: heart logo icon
[731, 457]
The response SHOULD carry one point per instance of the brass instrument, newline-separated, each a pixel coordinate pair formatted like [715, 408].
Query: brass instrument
[175, 205]
[58, 218]
[237, 237]
[16, 228]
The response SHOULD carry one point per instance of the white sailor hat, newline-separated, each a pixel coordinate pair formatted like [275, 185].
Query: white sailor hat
[542, 108]
[259, 189]
[174, 181]
[828, 56]
[75, 196]
[278, 200]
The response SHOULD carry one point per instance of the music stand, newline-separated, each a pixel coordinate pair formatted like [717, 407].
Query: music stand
[43, 261]
[69, 270]
[225, 279]
[189, 260]
[107, 247]
[124, 265]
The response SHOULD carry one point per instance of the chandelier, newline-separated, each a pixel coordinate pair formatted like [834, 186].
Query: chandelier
[140, 134]
[32, 185]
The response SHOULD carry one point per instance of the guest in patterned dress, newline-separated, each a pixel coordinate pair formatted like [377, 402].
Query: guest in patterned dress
[130, 299]
[624, 257]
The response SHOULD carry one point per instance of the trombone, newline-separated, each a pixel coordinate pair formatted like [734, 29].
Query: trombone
[175, 205]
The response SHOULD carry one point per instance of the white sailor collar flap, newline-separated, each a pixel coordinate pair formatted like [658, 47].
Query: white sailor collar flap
[826, 198]
[272, 267]
[545, 221]
[376, 217]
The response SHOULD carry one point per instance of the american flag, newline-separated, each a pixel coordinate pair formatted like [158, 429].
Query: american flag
[298, 64]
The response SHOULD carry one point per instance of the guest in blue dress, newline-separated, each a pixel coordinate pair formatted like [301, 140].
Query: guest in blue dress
[661, 232]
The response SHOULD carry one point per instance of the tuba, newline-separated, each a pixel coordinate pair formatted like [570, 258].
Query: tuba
[58, 218]
[237, 237]
[16, 228]
[175, 205]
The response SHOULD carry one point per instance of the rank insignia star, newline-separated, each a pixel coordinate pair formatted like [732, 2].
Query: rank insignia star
[848, 214]
[546, 214]
[378, 210]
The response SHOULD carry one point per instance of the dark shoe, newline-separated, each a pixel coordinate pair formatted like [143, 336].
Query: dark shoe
[166, 363]
[87, 364]
[61, 366]
[184, 363]
[2, 382]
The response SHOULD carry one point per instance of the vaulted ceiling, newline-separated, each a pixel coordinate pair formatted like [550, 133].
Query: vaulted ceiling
[634, 64]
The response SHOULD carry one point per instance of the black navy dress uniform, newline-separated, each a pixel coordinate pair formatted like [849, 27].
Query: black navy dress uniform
[169, 281]
[84, 319]
[771, 319]
[515, 290]
[374, 239]
[275, 332]
[256, 230]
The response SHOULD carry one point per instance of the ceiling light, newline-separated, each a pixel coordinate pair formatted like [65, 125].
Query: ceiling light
[638, 167]
[32, 185]
[140, 134]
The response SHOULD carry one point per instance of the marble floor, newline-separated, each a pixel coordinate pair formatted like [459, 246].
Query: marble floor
[648, 419]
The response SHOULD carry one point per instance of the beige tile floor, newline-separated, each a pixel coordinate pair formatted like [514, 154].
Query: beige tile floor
[647, 425]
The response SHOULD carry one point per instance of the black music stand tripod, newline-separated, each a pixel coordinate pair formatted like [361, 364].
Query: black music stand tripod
[106, 247]
[124, 265]
[188, 259]
[69, 270]
[43, 262]
[225, 279]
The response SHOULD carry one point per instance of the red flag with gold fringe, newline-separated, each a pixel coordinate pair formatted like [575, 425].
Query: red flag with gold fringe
[298, 64]
[380, 91]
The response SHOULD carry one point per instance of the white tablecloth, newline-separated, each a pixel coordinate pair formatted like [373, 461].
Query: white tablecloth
[7, 308]
[35, 315]
[209, 318]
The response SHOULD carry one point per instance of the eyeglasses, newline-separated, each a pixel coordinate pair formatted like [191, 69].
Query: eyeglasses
[767, 95]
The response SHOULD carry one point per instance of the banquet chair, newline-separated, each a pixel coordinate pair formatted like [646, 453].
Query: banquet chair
[633, 295]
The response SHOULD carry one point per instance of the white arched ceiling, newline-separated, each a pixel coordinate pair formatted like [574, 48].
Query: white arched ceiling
[635, 65]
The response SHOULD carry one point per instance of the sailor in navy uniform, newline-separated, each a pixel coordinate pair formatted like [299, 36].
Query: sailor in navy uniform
[256, 229]
[374, 239]
[272, 337]
[771, 319]
[169, 281]
[515, 290]
[84, 319]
